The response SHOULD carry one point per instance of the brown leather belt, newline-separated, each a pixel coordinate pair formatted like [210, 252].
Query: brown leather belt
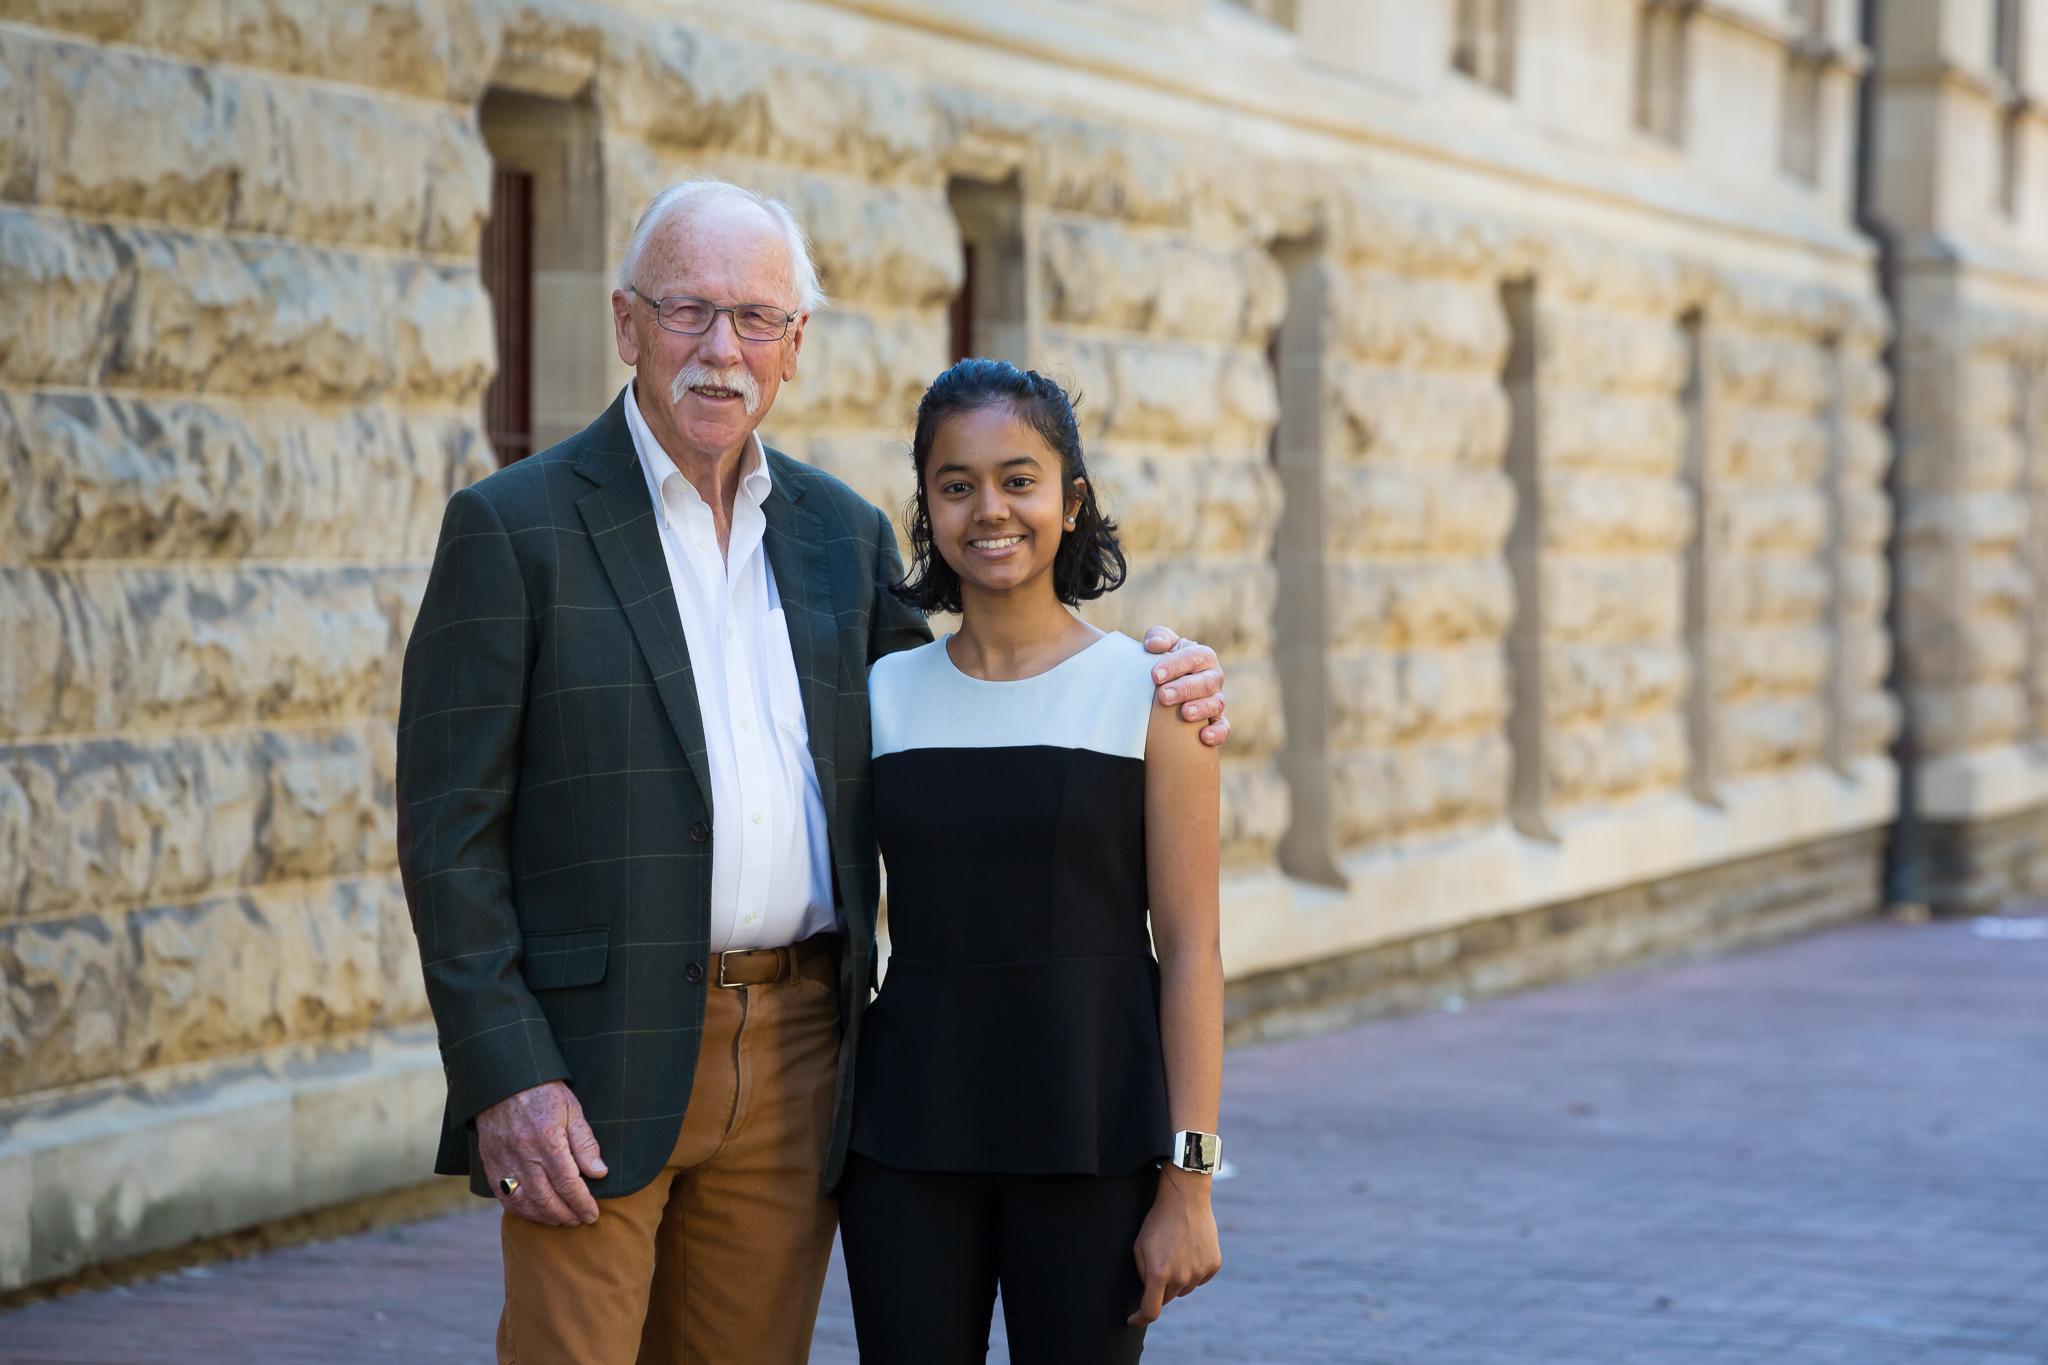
[817, 957]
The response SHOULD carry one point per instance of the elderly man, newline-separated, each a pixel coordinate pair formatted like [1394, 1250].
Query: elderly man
[634, 821]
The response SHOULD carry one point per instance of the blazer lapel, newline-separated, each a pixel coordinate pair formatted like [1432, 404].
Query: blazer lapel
[620, 518]
[795, 541]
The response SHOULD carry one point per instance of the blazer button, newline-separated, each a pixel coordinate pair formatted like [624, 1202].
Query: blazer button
[699, 832]
[693, 973]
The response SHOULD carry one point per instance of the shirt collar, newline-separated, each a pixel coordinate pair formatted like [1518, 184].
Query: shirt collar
[658, 468]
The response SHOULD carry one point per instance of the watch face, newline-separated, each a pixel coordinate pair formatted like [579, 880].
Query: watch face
[1200, 1152]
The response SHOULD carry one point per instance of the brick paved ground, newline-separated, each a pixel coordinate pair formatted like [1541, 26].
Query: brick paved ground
[1832, 1151]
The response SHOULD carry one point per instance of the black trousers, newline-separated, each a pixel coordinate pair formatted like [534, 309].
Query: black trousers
[925, 1251]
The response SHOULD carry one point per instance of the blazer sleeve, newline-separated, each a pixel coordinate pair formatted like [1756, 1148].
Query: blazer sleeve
[893, 624]
[462, 706]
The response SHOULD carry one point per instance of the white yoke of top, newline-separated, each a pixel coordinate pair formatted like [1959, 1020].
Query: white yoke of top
[771, 873]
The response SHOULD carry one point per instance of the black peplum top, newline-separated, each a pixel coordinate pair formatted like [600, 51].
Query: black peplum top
[1017, 1031]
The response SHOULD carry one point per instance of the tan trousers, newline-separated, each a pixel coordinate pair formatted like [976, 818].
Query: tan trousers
[721, 1260]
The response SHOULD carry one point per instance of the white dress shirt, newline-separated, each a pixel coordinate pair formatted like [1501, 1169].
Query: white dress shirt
[771, 870]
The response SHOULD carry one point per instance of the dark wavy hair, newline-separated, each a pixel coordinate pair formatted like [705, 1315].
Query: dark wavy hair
[1089, 561]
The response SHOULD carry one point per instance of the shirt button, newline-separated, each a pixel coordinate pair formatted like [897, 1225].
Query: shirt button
[751, 917]
[746, 724]
[693, 973]
[757, 817]
[730, 631]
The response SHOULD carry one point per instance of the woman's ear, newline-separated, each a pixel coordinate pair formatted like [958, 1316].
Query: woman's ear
[1074, 500]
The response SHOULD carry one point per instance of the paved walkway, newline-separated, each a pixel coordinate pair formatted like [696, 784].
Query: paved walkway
[1832, 1151]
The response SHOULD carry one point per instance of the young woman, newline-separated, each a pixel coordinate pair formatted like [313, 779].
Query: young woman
[1037, 1094]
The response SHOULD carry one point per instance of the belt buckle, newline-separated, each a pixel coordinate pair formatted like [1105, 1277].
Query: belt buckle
[729, 985]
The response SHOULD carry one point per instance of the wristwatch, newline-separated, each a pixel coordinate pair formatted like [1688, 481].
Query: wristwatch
[1197, 1153]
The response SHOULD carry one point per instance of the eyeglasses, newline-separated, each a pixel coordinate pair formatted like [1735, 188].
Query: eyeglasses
[694, 317]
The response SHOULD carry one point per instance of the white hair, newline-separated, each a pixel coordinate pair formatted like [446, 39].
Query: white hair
[679, 198]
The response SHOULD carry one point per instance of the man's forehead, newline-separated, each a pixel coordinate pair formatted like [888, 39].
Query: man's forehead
[723, 241]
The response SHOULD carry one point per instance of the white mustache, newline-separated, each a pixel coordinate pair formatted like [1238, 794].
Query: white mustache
[735, 378]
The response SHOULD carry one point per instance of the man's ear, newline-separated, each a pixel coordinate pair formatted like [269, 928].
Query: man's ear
[622, 328]
[796, 344]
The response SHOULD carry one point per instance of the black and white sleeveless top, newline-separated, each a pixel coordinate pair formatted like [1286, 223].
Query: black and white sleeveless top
[1018, 1029]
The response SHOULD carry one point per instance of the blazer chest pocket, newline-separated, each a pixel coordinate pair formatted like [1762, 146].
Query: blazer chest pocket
[550, 962]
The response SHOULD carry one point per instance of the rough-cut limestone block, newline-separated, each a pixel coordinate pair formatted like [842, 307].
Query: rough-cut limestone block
[1993, 457]
[1612, 600]
[1773, 446]
[62, 984]
[1781, 733]
[442, 49]
[243, 972]
[670, 84]
[402, 998]
[1999, 647]
[1426, 237]
[388, 173]
[1255, 811]
[1602, 762]
[1996, 583]
[899, 247]
[1866, 451]
[1103, 170]
[1258, 722]
[875, 464]
[1866, 588]
[1405, 511]
[1636, 433]
[1100, 274]
[1167, 502]
[1934, 523]
[129, 135]
[119, 478]
[1770, 372]
[124, 821]
[1141, 390]
[1775, 590]
[1601, 512]
[1609, 352]
[20, 145]
[252, 317]
[1224, 604]
[15, 815]
[1612, 275]
[864, 370]
[1952, 720]
[1773, 520]
[1866, 648]
[1379, 698]
[1382, 794]
[446, 348]
[62, 283]
[1866, 386]
[96, 650]
[1872, 723]
[1781, 661]
[1416, 416]
[1405, 606]
[1588, 682]
[1866, 519]
[1388, 318]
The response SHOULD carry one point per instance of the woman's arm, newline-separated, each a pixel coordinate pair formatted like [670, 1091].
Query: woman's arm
[1177, 1250]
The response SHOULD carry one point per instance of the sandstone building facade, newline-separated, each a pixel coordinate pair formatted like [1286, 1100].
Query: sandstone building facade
[1503, 386]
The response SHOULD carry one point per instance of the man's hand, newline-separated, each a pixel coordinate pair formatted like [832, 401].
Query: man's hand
[1190, 677]
[540, 1139]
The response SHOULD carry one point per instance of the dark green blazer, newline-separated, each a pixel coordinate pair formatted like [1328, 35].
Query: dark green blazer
[554, 807]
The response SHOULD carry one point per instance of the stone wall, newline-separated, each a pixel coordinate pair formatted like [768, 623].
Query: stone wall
[1526, 468]
[1962, 196]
